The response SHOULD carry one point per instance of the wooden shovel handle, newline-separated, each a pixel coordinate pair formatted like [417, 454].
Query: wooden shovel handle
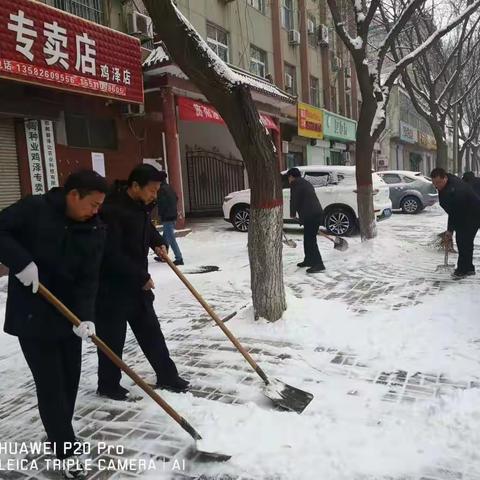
[326, 236]
[53, 300]
[217, 320]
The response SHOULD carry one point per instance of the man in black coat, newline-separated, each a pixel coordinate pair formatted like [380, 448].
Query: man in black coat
[126, 288]
[56, 239]
[473, 181]
[305, 203]
[167, 211]
[463, 208]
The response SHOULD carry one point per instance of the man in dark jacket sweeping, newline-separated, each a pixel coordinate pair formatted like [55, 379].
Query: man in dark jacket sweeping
[126, 288]
[463, 208]
[167, 211]
[305, 203]
[58, 240]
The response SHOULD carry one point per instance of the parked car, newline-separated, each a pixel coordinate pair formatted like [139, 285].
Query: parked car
[336, 189]
[410, 192]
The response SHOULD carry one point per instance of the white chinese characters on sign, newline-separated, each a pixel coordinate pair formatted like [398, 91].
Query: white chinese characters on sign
[49, 153]
[56, 41]
[34, 156]
[86, 55]
[26, 35]
[55, 49]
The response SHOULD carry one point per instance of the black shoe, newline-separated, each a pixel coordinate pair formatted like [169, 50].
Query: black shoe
[316, 269]
[460, 274]
[178, 262]
[303, 264]
[118, 393]
[179, 385]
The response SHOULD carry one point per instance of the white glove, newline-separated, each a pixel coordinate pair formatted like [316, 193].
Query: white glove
[85, 330]
[29, 276]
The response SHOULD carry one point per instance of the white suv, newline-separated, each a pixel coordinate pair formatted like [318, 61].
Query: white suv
[336, 189]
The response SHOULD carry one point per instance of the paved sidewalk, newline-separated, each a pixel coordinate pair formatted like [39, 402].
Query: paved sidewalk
[146, 432]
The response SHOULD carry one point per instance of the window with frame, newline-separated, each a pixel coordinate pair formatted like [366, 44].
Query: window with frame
[314, 91]
[92, 10]
[318, 179]
[258, 61]
[91, 132]
[391, 178]
[290, 79]
[287, 14]
[257, 4]
[312, 36]
[217, 40]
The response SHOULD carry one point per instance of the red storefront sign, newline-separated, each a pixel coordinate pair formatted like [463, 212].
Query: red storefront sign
[45, 46]
[196, 111]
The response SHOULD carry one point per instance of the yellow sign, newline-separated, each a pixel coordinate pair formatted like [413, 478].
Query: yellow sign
[310, 121]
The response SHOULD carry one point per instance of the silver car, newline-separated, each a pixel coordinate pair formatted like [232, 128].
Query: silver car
[410, 192]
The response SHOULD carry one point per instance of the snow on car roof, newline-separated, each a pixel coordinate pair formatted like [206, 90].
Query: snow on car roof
[326, 168]
[402, 172]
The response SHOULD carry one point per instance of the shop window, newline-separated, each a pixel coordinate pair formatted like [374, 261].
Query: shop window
[92, 10]
[258, 61]
[88, 132]
[217, 40]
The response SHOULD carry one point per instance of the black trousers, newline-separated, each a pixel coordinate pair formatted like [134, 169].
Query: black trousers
[55, 366]
[310, 232]
[111, 327]
[465, 237]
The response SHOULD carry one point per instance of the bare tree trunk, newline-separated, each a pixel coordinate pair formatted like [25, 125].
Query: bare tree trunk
[364, 152]
[234, 102]
[442, 149]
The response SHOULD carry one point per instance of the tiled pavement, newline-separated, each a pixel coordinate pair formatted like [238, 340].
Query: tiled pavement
[156, 437]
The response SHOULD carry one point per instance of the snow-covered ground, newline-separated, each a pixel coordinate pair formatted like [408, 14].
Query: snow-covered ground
[388, 346]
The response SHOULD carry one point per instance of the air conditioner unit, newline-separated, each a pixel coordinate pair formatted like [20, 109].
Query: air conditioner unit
[336, 64]
[310, 27]
[288, 81]
[294, 37]
[139, 25]
[348, 72]
[323, 36]
[133, 109]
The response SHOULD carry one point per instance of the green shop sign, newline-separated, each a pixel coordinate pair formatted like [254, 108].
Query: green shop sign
[337, 127]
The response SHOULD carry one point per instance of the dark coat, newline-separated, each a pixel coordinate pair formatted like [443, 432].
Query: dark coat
[68, 256]
[167, 203]
[130, 234]
[304, 201]
[461, 204]
[475, 184]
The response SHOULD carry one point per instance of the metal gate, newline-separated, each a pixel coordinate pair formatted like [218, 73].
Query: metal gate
[211, 176]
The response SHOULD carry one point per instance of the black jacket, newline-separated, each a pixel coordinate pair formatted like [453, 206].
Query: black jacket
[304, 201]
[461, 204]
[68, 256]
[130, 234]
[475, 184]
[167, 203]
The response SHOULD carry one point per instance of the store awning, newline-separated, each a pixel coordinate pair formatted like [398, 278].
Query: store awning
[196, 111]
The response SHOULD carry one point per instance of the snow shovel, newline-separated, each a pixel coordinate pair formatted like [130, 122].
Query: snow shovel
[445, 267]
[339, 243]
[282, 395]
[289, 242]
[204, 453]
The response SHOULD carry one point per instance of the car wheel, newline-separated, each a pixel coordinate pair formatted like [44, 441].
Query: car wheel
[340, 222]
[241, 219]
[411, 205]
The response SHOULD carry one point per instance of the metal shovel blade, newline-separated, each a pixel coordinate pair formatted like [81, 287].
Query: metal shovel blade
[287, 397]
[340, 243]
[207, 454]
[289, 242]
